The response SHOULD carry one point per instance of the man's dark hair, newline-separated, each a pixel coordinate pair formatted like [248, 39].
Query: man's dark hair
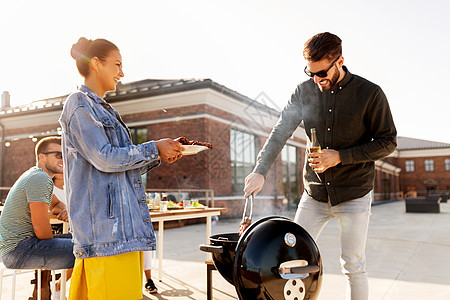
[322, 45]
[42, 145]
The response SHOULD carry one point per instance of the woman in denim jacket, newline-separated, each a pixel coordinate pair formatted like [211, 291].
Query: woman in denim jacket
[108, 213]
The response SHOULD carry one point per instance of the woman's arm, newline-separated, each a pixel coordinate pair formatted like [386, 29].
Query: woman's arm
[89, 138]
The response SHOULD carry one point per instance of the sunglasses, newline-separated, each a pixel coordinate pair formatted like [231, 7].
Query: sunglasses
[323, 73]
[58, 154]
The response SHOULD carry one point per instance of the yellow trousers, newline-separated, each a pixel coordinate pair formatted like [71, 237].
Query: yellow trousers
[108, 278]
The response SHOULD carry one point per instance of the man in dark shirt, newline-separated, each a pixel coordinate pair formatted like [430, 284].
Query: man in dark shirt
[355, 128]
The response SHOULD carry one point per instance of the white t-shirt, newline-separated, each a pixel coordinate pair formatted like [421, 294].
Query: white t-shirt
[59, 193]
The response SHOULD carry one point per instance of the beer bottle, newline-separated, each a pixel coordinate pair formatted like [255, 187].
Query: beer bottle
[315, 146]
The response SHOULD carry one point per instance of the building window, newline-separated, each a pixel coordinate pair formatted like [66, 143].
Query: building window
[409, 166]
[290, 174]
[139, 136]
[429, 165]
[242, 156]
[447, 164]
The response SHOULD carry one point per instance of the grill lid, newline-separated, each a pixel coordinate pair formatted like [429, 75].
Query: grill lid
[277, 259]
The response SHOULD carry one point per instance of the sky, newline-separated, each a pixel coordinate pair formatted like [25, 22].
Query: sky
[250, 46]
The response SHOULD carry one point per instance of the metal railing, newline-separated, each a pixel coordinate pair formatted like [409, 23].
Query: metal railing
[206, 195]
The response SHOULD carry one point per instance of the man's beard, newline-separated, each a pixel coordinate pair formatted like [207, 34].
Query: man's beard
[54, 170]
[334, 79]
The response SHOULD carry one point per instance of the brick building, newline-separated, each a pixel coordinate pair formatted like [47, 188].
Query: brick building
[204, 110]
[425, 166]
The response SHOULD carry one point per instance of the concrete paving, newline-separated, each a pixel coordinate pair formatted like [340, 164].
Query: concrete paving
[408, 257]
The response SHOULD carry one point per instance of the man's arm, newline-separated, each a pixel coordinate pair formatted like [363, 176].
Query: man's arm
[382, 128]
[58, 208]
[290, 118]
[39, 219]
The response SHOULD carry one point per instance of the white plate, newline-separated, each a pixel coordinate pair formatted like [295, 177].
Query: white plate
[193, 149]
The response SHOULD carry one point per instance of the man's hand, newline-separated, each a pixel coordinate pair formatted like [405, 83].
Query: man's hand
[58, 208]
[169, 150]
[63, 216]
[321, 161]
[253, 184]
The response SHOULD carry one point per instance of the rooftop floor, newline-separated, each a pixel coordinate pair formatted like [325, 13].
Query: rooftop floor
[408, 257]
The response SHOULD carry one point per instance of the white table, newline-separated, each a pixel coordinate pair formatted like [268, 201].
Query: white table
[181, 214]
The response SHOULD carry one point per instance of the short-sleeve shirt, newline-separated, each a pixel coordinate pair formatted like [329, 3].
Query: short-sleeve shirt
[35, 185]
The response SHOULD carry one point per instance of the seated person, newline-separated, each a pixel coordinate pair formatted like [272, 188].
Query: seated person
[58, 208]
[150, 285]
[26, 239]
[58, 187]
[60, 198]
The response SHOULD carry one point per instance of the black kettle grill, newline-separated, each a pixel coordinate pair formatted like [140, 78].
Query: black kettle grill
[274, 259]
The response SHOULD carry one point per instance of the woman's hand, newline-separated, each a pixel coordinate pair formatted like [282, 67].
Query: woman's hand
[169, 150]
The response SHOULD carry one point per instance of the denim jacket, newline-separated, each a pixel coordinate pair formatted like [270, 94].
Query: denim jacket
[108, 213]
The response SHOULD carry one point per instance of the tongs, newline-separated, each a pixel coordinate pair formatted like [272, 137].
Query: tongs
[246, 219]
